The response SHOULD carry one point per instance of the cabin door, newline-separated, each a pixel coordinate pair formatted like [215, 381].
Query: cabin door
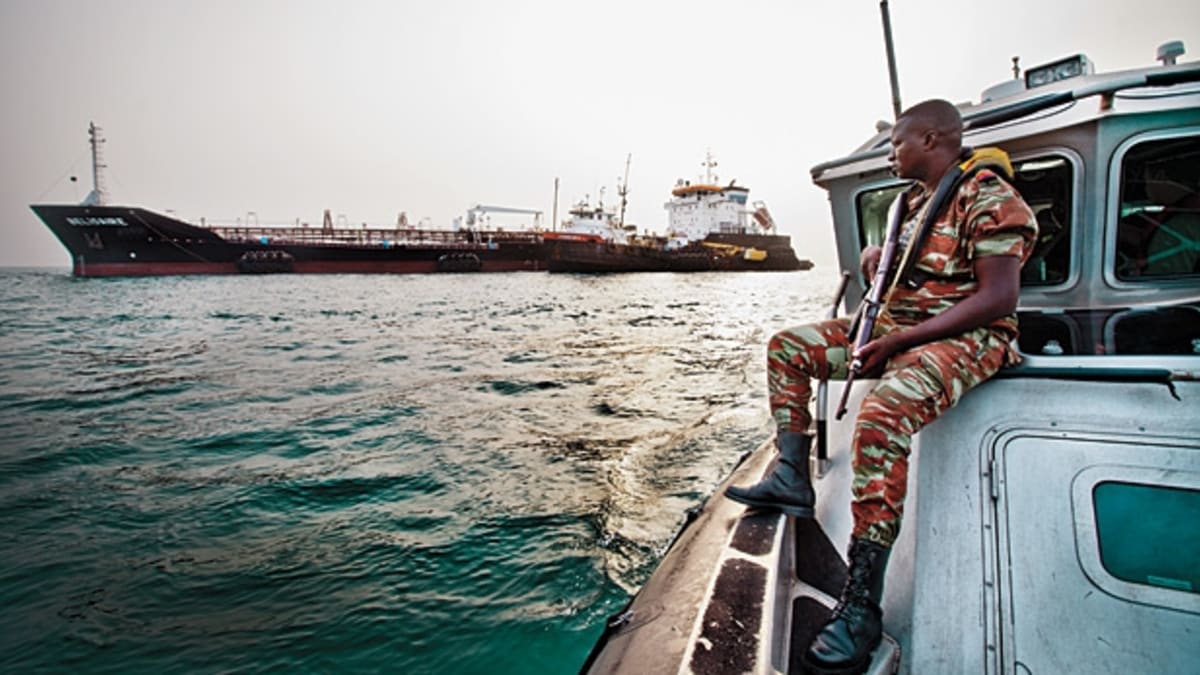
[1098, 553]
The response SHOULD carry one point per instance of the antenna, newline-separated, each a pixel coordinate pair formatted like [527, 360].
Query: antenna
[891, 57]
[98, 195]
[623, 190]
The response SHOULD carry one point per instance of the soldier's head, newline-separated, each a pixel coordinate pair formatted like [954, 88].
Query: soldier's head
[926, 141]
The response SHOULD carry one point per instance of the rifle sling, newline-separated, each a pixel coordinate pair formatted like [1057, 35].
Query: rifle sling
[947, 188]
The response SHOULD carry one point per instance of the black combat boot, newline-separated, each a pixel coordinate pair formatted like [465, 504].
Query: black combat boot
[788, 487]
[844, 645]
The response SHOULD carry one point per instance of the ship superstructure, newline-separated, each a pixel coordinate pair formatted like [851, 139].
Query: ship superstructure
[709, 228]
[590, 223]
[699, 209]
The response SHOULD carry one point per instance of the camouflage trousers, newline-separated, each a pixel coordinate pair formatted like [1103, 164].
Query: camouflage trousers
[916, 386]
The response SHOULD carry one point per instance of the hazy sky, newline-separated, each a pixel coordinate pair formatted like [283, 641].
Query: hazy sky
[285, 108]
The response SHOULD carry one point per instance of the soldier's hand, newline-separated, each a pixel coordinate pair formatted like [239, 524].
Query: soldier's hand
[874, 356]
[870, 261]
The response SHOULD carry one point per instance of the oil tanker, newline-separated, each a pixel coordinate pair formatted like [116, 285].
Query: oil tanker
[110, 240]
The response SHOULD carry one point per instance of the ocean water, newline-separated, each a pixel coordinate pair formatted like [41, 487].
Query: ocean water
[416, 474]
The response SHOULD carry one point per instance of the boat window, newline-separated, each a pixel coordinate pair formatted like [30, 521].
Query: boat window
[1171, 330]
[872, 213]
[1138, 528]
[1045, 184]
[1158, 232]
[1056, 334]
[1156, 330]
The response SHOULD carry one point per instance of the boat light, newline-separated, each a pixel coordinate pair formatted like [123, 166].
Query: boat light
[1168, 52]
[1063, 69]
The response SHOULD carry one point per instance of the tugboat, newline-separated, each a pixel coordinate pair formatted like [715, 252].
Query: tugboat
[1051, 522]
[592, 224]
[710, 229]
[111, 240]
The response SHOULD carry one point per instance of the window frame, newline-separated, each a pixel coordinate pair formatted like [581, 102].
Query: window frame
[1113, 211]
[1087, 532]
[855, 200]
[1073, 224]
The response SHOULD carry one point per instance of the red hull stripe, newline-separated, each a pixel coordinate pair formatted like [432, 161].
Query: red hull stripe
[133, 269]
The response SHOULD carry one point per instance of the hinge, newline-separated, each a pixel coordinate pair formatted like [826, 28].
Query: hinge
[994, 478]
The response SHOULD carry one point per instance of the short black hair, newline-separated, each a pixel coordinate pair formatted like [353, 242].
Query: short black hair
[936, 115]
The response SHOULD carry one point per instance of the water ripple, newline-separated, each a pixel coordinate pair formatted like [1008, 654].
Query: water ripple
[360, 473]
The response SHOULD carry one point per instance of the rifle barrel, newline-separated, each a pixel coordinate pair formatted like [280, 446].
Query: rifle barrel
[873, 303]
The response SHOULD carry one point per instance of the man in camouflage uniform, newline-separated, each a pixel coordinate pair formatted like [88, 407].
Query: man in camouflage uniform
[936, 339]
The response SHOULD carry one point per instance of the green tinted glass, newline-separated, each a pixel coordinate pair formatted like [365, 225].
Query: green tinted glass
[1149, 535]
[872, 213]
[1158, 234]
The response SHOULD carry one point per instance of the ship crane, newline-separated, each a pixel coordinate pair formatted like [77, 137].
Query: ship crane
[479, 209]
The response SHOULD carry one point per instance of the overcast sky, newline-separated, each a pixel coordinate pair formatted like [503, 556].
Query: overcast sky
[285, 108]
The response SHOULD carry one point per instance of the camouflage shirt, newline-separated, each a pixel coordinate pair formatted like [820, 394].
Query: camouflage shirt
[987, 217]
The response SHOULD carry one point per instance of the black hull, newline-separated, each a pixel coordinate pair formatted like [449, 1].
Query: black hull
[130, 241]
[728, 254]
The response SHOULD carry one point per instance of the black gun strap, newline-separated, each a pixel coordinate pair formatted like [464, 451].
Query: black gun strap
[970, 164]
[946, 188]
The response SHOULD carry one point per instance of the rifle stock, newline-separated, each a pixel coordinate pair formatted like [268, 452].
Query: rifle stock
[876, 295]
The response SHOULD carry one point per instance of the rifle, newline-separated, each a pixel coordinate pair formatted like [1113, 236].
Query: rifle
[871, 305]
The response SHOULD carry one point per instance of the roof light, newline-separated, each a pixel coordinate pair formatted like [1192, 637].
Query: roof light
[1063, 69]
[1168, 52]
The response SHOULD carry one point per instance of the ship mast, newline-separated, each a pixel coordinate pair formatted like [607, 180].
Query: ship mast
[98, 196]
[554, 217]
[623, 190]
[709, 163]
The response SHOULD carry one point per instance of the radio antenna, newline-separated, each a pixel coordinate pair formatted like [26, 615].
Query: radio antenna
[891, 57]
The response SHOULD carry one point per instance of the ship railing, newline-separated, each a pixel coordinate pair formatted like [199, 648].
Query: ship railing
[374, 236]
